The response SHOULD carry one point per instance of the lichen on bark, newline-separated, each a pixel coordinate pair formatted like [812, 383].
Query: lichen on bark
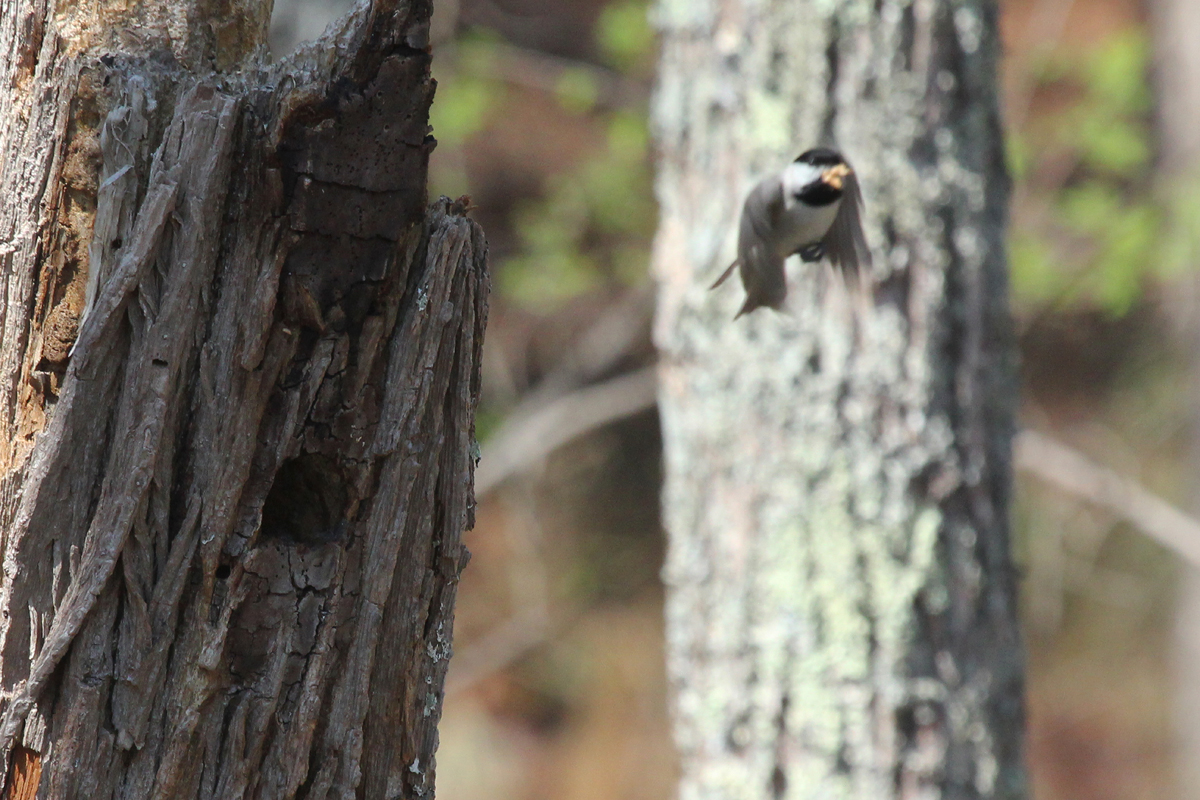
[841, 607]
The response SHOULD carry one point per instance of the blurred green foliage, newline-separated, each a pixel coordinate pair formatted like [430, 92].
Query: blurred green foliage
[592, 228]
[576, 90]
[461, 109]
[1089, 162]
[467, 97]
[624, 35]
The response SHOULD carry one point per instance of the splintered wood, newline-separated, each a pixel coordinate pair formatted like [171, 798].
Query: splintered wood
[238, 414]
[24, 775]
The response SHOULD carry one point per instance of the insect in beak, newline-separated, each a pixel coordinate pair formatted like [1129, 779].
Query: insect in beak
[834, 175]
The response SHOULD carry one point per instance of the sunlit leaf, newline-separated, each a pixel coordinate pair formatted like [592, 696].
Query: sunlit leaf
[576, 90]
[1179, 240]
[628, 136]
[1089, 208]
[543, 280]
[1116, 74]
[461, 107]
[624, 34]
[1036, 279]
[1126, 258]
[1113, 144]
[1018, 156]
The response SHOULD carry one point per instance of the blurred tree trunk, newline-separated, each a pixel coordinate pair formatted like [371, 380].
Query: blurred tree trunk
[1175, 27]
[238, 372]
[842, 609]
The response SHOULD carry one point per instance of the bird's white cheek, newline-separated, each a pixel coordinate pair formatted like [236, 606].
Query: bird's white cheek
[795, 177]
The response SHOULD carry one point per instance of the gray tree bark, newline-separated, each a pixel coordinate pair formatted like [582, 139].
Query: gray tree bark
[1176, 24]
[841, 598]
[239, 362]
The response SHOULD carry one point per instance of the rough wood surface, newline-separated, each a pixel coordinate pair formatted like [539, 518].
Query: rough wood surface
[238, 373]
[842, 608]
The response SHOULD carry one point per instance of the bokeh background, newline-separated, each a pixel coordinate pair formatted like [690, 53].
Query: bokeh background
[557, 689]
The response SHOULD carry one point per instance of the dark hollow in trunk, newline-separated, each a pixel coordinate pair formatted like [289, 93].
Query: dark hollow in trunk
[238, 377]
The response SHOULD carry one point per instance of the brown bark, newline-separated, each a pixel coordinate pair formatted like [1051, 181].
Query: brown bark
[841, 600]
[239, 367]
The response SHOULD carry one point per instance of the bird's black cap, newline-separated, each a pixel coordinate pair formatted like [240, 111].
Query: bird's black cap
[821, 157]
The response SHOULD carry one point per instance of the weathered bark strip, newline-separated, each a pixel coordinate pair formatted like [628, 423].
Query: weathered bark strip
[239, 380]
[841, 608]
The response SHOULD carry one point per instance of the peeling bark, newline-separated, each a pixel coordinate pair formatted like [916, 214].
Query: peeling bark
[841, 603]
[239, 367]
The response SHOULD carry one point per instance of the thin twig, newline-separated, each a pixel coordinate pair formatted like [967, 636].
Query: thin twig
[616, 333]
[506, 642]
[1050, 20]
[529, 435]
[527, 438]
[1073, 472]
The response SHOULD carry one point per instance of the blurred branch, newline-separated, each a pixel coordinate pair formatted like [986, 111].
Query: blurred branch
[543, 71]
[530, 624]
[499, 647]
[1047, 22]
[549, 417]
[614, 335]
[1076, 474]
[531, 434]
[534, 429]
[529, 437]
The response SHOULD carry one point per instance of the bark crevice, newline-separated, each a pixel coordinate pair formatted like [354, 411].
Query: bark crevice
[235, 514]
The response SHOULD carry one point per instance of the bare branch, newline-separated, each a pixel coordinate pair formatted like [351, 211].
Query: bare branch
[502, 645]
[1074, 473]
[532, 433]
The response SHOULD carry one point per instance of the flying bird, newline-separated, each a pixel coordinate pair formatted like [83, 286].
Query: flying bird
[813, 209]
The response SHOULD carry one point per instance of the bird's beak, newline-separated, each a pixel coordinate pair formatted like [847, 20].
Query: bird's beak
[835, 175]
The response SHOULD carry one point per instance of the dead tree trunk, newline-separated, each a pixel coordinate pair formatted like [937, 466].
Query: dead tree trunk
[842, 607]
[238, 373]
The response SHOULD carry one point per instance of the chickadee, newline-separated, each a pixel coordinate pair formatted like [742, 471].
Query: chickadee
[810, 209]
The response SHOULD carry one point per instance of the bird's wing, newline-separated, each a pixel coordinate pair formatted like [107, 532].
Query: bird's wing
[845, 243]
[761, 268]
[763, 206]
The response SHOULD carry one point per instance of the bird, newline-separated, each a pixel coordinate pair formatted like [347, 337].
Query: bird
[813, 209]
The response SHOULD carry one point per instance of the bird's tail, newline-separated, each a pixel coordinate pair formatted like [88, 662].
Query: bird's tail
[725, 275]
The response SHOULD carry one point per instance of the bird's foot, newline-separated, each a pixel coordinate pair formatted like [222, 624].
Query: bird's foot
[811, 252]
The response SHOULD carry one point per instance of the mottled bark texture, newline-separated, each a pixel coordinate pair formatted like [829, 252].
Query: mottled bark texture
[238, 374]
[1176, 25]
[841, 609]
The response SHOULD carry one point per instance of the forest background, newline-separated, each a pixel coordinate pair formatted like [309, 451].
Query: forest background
[556, 689]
